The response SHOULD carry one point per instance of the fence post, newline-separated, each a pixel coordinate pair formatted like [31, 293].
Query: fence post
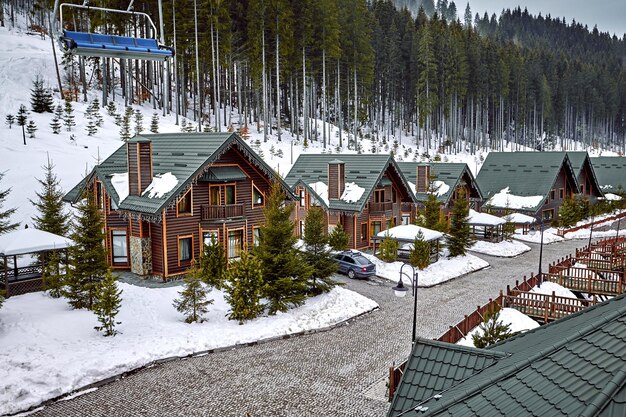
[392, 382]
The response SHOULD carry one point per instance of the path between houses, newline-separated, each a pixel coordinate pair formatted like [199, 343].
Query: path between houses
[320, 374]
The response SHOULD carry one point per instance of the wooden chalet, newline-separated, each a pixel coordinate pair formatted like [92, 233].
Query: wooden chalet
[164, 196]
[611, 173]
[586, 176]
[448, 179]
[533, 183]
[365, 193]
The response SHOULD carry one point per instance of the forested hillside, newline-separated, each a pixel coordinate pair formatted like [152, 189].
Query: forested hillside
[381, 69]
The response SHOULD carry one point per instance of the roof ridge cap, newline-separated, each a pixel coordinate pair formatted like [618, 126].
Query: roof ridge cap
[606, 393]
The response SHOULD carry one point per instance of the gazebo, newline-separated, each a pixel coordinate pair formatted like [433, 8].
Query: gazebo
[28, 278]
[520, 220]
[405, 235]
[486, 226]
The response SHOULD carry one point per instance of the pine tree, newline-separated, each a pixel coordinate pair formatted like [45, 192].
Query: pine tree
[460, 238]
[41, 99]
[108, 305]
[388, 249]
[5, 216]
[68, 116]
[213, 264]
[243, 287]
[154, 123]
[91, 128]
[111, 109]
[420, 254]
[193, 300]
[9, 120]
[31, 128]
[95, 113]
[568, 215]
[52, 277]
[492, 330]
[138, 122]
[51, 215]
[284, 272]
[55, 125]
[317, 255]
[87, 257]
[22, 118]
[508, 229]
[125, 130]
[338, 239]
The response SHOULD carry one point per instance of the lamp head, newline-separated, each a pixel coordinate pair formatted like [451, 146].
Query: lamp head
[400, 290]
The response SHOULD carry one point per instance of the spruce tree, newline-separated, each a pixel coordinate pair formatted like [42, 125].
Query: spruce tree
[91, 128]
[41, 99]
[460, 237]
[111, 109]
[138, 122]
[154, 123]
[125, 129]
[568, 213]
[108, 305]
[87, 257]
[68, 116]
[9, 120]
[243, 287]
[31, 128]
[193, 300]
[284, 271]
[508, 229]
[52, 277]
[5, 216]
[95, 113]
[317, 254]
[388, 249]
[492, 330]
[420, 254]
[338, 239]
[51, 216]
[213, 264]
[55, 125]
[22, 118]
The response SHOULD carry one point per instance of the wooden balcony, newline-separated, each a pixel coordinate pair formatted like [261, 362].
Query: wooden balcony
[387, 206]
[221, 212]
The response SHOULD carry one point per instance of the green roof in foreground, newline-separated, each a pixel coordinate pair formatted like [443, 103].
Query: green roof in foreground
[611, 172]
[573, 366]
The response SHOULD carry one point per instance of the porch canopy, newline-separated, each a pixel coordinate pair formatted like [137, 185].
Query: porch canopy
[520, 220]
[405, 235]
[486, 226]
[18, 280]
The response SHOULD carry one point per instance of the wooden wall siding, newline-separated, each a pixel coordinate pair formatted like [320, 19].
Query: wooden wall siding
[562, 181]
[156, 230]
[135, 227]
[422, 178]
[145, 165]
[133, 168]
[336, 180]
[585, 179]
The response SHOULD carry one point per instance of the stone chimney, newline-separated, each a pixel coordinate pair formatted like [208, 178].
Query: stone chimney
[336, 178]
[139, 153]
[423, 178]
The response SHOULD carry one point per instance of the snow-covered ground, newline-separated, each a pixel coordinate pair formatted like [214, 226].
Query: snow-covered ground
[517, 321]
[504, 249]
[548, 288]
[535, 237]
[49, 349]
[441, 271]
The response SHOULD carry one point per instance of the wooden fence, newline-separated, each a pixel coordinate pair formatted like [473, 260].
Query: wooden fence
[562, 232]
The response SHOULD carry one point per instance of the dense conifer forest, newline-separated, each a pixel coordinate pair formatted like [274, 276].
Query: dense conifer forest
[450, 78]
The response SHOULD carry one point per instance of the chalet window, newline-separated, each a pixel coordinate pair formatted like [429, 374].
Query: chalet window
[229, 194]
[561, 193]
[256, 236]
[235, 243]
[185, 248]
[552, 195]
[216, 192]
[548, 214]
[379, 196]
[364, 234]
[258, 199]
[207, 237]
[302, 198]
[301, 228]
[99, 199]
[120, 246]
[406, 219]
[376, 226]
[184, 204]
[393, 194]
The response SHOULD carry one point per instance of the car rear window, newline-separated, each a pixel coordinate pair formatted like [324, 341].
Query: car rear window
[362, 260]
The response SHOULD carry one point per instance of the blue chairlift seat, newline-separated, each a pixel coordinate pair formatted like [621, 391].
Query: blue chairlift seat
[95, 44]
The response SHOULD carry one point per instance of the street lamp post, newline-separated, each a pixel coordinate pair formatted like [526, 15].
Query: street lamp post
[400, 291]
[540, 256]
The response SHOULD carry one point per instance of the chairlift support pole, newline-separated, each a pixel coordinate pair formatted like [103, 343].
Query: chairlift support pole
[166, 67]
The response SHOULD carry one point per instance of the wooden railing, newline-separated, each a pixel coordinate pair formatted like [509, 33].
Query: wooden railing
[21, 273]
[562, 232]
[222, 211]
[380, 207]
[545, 307]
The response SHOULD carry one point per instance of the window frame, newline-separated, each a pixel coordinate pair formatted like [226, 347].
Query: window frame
[191, 248]
[262, 203]
[178, 201]
[561, 193]
[243, 237]
[366, 235]
[112, 234]
[256, 238]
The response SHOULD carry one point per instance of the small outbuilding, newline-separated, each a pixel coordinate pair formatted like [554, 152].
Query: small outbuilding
[521, 221]
[14, 245]
[486, 226]
[405, 235]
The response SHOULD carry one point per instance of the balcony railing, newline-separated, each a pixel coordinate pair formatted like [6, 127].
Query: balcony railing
[222, 212]
[380, 207]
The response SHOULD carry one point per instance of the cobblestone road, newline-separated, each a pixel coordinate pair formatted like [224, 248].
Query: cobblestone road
[322, 374]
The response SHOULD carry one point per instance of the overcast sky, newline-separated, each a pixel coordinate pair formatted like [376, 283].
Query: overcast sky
[609, 15]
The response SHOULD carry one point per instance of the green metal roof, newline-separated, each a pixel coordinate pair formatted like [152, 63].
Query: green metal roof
[611, 172]
[450, 173]
[364, 170]
[225, 173]
[573, 366]
[185, 155]
[525, 173]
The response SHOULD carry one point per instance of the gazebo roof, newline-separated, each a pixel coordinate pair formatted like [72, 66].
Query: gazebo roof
[484, 219]
[519, 218]
[25, 241]
[408, 232]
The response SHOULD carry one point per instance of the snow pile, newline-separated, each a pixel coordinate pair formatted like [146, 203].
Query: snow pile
[161, 184]
[548, 288]
[535, 237]
[48, 349]
[440, 187]
[31, 240]
[517, 321]
[504, 249]
[476, 218]
[519, 218]
[441, 271]
[321, 189]
[352, 193]
[409, 232]
[120, 183]
[516, 202]
[612, 197]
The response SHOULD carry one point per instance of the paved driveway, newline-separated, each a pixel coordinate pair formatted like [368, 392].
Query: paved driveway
[322, 374]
